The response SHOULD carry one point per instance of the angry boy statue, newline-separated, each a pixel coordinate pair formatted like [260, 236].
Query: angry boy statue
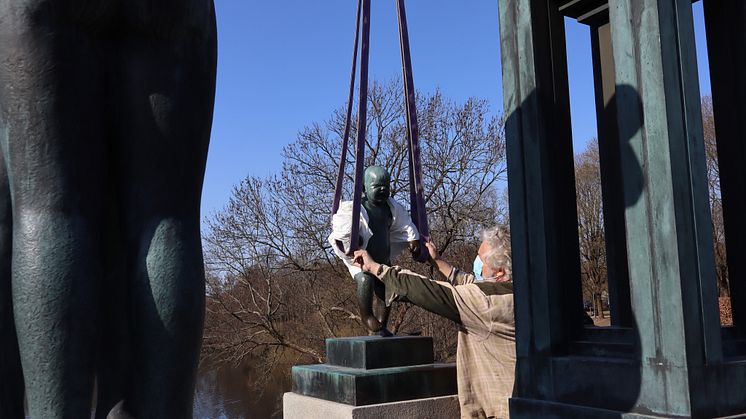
[386, 230]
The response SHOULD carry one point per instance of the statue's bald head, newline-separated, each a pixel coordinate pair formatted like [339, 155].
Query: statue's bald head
[377, 184]
[374, 173]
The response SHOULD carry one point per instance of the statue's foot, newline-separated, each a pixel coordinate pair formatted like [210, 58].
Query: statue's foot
[385, 333]
[119, 412]
[372, 324]
[375, 328]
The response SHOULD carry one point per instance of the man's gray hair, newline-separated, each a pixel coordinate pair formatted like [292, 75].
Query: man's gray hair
[498, 255]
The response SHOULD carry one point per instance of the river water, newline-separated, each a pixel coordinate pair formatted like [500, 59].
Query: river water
[230, 393]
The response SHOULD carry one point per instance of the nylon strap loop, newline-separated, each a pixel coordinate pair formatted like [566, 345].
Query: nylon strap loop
[362, 111]
[416, 195]
[346, 134]
[416, 188]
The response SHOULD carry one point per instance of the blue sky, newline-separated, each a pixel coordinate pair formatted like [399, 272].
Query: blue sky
[284, 64]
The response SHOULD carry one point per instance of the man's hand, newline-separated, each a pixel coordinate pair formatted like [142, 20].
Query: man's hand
[433, 251]
[444, 267]
[362, 259]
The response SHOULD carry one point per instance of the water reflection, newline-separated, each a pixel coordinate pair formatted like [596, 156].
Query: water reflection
[229, 392]
[209, 403]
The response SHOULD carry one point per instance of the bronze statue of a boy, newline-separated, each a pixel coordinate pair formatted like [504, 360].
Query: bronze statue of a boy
[386, 230]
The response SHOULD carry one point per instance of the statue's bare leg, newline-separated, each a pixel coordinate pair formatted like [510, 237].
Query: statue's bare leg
[50, 98]
[380, 308]
[11, 383]
[365, 283]
[373, 311]
[166, 92]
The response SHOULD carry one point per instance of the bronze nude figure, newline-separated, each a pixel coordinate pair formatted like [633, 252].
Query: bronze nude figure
[105, 117]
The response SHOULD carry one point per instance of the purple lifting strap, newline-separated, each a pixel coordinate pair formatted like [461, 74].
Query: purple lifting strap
[346, 135]
[357, 193]
[417, 199]
[416, 194]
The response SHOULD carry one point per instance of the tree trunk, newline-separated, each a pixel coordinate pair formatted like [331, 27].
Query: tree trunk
[597, 300]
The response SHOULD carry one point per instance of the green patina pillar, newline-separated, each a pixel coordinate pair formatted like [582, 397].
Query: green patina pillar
[666, 354]
[672, 278]
[540, 172]
[611, 176]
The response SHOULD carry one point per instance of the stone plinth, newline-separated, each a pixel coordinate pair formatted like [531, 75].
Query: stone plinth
[364, 371]
[296, 406]
[371, 352]
[359, 387]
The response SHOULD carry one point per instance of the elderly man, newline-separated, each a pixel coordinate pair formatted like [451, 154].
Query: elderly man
[483, 309]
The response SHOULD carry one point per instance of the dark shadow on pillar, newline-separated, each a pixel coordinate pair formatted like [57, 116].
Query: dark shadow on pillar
[603, 370]
[611, 175]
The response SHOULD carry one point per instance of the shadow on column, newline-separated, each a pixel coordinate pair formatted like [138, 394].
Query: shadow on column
[563, 368]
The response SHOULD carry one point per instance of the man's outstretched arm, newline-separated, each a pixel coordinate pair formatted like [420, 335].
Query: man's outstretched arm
[455, 276]
[403, 285]
[444, 267]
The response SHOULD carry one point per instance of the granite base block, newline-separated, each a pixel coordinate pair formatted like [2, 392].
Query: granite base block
[372, 352]
[296, 406]
[529, 409]
[359, 387]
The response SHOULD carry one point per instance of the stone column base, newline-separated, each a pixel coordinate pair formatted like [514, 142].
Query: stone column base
[296, 406]
[530, 409]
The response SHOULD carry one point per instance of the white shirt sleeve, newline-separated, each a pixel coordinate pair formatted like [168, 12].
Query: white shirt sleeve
[341, 231]
[402, 226]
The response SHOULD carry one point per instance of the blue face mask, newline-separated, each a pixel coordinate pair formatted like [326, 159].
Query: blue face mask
[478, 265]
[478, 268]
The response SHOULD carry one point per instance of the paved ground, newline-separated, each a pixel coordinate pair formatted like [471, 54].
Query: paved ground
[602, 322]
[605, 321]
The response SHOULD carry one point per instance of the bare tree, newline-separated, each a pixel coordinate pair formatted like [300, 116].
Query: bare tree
[591, 225]
[716, 200]
[590, 214]
[276, 290]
